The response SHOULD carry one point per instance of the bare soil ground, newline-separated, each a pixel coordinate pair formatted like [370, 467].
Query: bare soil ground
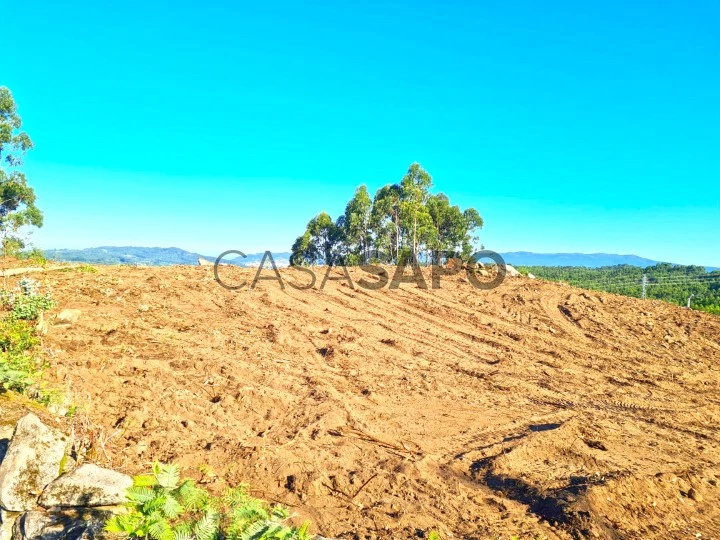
[534, 409]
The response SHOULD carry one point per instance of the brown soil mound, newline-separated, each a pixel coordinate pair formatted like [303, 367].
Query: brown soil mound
[534, 409]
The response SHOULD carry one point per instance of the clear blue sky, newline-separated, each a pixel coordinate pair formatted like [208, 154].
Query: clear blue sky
[570, 126]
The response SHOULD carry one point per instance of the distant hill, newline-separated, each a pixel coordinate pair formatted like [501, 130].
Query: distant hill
[157, 256]
[591, 260]
[152, 256]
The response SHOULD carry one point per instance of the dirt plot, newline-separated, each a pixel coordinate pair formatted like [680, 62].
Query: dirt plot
[534, 409]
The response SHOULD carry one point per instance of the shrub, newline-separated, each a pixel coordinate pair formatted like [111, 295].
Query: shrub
[162, 507]
[87, 268]
[25, 302]
[34, 255]
[16, 336]
[18, 367]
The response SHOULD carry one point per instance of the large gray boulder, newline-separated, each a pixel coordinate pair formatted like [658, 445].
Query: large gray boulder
[84, 524]
[88, 485]
[31, 462]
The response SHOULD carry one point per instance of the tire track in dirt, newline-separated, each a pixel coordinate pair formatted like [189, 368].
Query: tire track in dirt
[408, 409]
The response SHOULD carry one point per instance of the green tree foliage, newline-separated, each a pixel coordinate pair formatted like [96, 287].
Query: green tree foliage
[671, 283]
[402, 220]
[161, 506]
[356, 222]
[17, 198]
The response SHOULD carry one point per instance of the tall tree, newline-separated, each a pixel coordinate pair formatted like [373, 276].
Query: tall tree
[415, 190]
[385, 218]
[356, 222]
[303, 251]
[17, 198]
[321, 243]
[472, 222]
[402, 220]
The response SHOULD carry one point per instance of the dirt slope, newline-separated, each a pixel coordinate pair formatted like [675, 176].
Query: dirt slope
[534, 409]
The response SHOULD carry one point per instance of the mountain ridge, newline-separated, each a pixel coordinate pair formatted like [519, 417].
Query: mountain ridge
[165, 256]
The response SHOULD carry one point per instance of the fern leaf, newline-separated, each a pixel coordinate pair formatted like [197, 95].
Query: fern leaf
[192, 497]
[140, 495]
[168, 476]
[159, 530]
[182, 535]
[171, 508]
[207, 527]
[280, 512]
[145, 480]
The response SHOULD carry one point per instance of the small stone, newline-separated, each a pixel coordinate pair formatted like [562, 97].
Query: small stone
[88, 485]
[694, 495]
[32, 461]
[68, 316]
[683, 485]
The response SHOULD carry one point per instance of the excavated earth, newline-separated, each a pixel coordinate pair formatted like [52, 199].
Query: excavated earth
[534, 409]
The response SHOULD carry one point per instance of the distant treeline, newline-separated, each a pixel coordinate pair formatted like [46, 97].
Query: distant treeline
[404, 221]
[672, 283]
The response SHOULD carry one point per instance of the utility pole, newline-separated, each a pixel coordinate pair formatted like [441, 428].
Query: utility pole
[644, 285]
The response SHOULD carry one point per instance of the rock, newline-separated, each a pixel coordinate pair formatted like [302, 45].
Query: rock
[204, 262]
[42, 325]
[694, 495]
[683, 485]
[84, 524]
[7, 520]
[32, 461]
[511, 271]
[68, 316]
[88, 485]
[530, 276]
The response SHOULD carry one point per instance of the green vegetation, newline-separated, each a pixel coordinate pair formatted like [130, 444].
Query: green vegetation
[671, 283]
[162, 507]
[25, 302]
[17, 198]
[34, 255]
[403, 221]
[20, 368]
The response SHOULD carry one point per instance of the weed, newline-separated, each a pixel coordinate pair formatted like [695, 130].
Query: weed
[18, 367]
[87, 268]
[26, 302]
[162, 507]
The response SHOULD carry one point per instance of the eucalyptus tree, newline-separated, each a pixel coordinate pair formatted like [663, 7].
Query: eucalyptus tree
[415, 191]
[17, 197]
[356, 223]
